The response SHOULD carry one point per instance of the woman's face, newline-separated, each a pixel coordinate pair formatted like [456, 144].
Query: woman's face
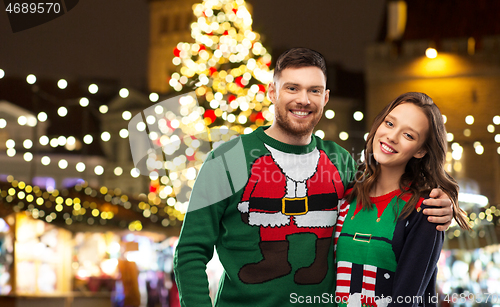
[401, 136]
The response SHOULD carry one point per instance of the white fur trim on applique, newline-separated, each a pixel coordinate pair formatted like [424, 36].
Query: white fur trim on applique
[295, 188]
[354, 300]
[316, 219]
[296, 167]
[268, 219]
[243, 206]
[383, 302]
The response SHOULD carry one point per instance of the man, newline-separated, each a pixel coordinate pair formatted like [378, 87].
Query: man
[268, 202]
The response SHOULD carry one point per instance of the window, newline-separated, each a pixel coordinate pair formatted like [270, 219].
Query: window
[47, 183]
[71, 182]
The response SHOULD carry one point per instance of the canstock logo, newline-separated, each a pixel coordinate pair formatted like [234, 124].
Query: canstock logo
[26, 14]
[170, 139]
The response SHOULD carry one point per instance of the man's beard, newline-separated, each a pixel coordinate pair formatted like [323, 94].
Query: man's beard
[293, 128]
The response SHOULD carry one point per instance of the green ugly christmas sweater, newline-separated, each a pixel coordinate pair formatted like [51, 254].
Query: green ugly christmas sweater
[383, 260]
[270, 209]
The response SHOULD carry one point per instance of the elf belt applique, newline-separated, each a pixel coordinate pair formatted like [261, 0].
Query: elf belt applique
[360, 237]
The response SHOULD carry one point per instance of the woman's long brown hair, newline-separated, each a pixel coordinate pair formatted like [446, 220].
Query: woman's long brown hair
[421, 175]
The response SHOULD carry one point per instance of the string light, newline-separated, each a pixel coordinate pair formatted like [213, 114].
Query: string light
[62, 111]
[320, 134]
[22, 120]
[329, 114]
[84, 102]
[45, 160]
[63, 164]
[431, 53]
[105, 136]
[80, 167]
[31, 79]
[343, 135]
[93, 88]
[358, 116]
[98, 170]
[87, 139]
[44, 140]
[62, 84]
[123, 93]
[153, 97]
[126, 115]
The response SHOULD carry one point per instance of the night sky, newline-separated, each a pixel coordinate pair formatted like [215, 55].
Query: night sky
[109, 39]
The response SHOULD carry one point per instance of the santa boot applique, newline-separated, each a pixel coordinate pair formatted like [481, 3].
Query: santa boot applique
[316, 272]
[275, 263]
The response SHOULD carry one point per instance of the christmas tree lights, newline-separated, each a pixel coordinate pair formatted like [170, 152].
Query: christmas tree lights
[227, 65]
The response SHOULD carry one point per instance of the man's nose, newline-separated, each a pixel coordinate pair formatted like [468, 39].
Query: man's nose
[303, 97]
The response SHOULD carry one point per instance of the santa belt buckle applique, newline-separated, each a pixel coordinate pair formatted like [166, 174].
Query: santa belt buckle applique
[294, 206]
[361, 237]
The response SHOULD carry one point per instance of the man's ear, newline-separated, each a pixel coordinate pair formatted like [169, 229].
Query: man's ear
[420, 154]
[327, 97]
[271, 92]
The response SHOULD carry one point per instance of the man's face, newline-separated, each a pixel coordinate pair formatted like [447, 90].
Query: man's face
[299, 96]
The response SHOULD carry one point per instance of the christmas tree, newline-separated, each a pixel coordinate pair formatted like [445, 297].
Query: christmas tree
[227, 66]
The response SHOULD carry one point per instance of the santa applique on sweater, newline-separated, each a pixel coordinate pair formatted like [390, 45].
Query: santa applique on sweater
[289, 194]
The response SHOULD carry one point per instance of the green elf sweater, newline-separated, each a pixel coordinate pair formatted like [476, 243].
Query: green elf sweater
[383, 260]
[270, 209]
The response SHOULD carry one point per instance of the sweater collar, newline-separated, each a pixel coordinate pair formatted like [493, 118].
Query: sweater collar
[294, 149]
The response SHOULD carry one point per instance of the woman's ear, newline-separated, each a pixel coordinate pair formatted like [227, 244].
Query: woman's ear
[420, 154]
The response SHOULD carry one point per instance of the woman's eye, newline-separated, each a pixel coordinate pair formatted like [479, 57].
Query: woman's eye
[409, 136]
[388, 123]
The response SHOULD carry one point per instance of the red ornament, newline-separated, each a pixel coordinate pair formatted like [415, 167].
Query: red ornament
[202, 47]
[153, 189]
[235, 11]
[210, 114]
[225, 33]
[238, 81]
[262, 88]
[177, 52]
[231, 98]
[260, 116]
[212, 70]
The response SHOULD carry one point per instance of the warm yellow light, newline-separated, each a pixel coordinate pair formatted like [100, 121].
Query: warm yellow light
[343, 135]
[431, 53]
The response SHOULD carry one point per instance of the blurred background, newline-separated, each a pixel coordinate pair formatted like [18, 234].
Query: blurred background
[81, 224]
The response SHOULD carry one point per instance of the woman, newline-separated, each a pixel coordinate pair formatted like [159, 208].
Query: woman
[386, 249]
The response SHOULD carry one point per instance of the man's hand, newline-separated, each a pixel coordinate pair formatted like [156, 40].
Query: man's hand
[443, 213]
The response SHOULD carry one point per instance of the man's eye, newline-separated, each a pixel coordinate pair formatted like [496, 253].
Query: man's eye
[291, 88]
